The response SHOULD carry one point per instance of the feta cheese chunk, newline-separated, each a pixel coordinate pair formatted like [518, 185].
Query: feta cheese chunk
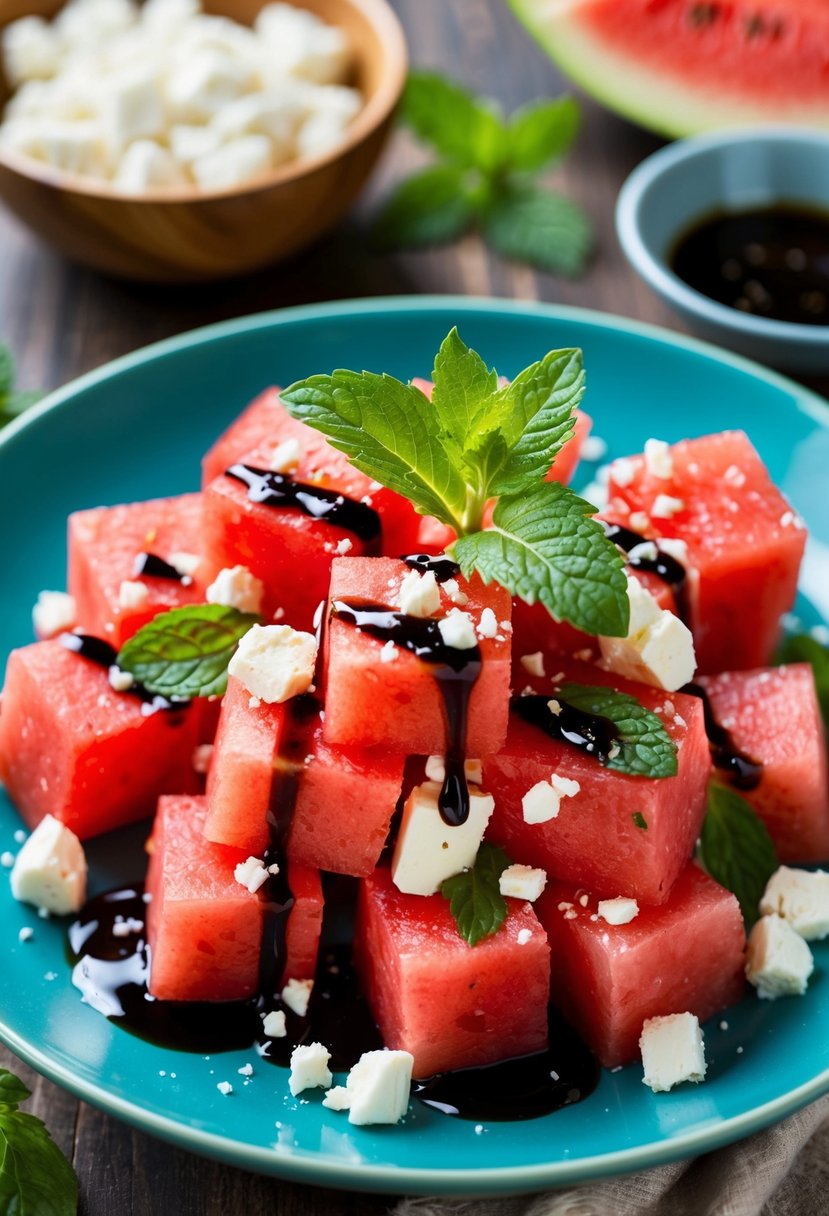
[251, 874]
[618, 911]
[273, 1024]
[673, 1051]
[378, 1087]
[533, 663]
[337, 1098]
[428, 850]
[31, 50]
[801, 897]
[542, 801]
[50, 869]
[132, 595]
[236, 587]
[309, 1068]
[522, 882]
[419, 594]
[203, 82]
[186, 564]
[296, 995]
[275, 662]
[235, 162]
[300, 44]
[457, 630]
[286, 456]
[778, 962]
[658, 459]
[132, 107]
[146, 166]
[659, 647]
[55, 612]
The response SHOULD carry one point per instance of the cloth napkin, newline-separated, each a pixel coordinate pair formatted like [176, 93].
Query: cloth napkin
[782, 1171]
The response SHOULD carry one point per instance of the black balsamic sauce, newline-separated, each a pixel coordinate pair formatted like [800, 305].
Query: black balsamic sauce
[150, 565]
[280, 490]
[455, 672]
[442, 567]
[744, 772]
[591, 733]
[671, 571]
[770, 262]
[104, 655]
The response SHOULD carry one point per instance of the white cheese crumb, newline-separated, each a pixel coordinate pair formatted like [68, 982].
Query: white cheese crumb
[236, 587]
[344, 546]
[451, 588]
[225, 1088]
[286, 456]
[644, 552]
[554, 707]
[659, 647]
[202, 757]
[50, 870]
[378, 1087]
[623, 471]
[428, 850]
[124, 926]
[540, 803]
[488, 624]
[7, 859]
[273, 1024]
[251, 874]
[584, 900]
[275, 662]
[245, 1071]
[734, 476]
[593, 448]
[524, 936]
[120, 681]
[185, 563]
[20, 836]
[457, 630]
[665, 506]
[132, 595]
[419, 594]
[658, 459]
[296, 995]
[778, 962]
[26, 934]
[566, 787]
[337, 1098]
[639, 521]
[674, 548]
[522, 882]
[533, 663]
[309, 1068]
[801, 897]
[673, 1051]
[55, 612]
[436, 770]
[389, 652]
[618, 911]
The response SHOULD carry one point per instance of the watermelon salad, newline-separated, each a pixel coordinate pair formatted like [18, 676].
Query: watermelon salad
[449, 771]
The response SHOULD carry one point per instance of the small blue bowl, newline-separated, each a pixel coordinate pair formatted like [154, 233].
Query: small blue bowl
[731, 171]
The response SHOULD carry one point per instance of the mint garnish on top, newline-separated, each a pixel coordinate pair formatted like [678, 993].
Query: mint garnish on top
[35, 1177]
[736, 849]
[644, 747]
[473, 445]
[474, 895]
[185, 652]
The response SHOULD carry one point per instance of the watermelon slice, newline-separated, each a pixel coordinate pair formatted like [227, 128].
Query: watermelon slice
[680, 66]
[302, 933]
[204, 929]
[773, 716]
[451, 1005]
[72, 747]
[687, 955]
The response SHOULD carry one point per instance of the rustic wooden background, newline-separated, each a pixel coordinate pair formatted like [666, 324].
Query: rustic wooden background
[62, 320]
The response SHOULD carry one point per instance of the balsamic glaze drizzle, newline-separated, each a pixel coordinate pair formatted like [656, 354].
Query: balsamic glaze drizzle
[455, 672]
[152, 566]
[744, 772]
[591, 733]
[281, 490]
[442, 566]
[671, 571]
[101, 652]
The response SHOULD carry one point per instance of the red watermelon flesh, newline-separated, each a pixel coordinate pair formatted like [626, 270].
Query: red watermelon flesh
[399, 704]
[204, 929]
[744, 543]
[773, 716]
[685, 956]
[72, 747]
[302, 933]
[104, 544]
[596, 839]
[451, 1005]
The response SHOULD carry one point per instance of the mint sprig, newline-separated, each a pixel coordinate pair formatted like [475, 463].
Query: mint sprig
[35, 1177]
[736, 849]
[486, 177]
[802, 648]
[185, 653]
[475, 446]
[645, 747]
[475, 898]
[13, 401]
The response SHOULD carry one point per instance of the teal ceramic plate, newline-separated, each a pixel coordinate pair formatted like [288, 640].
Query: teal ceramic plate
[136, 429]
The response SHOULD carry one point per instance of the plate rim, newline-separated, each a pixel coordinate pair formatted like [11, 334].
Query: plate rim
[365, 1176]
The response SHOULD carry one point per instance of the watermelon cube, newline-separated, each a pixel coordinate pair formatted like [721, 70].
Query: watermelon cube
[376, 695]
[73, 747]
[302, 932]
[344, 798]
[744, 543]
[450, 1004]
[105, 545]
[617, 830]
[685, 956]
[204, 929]
[773, 716]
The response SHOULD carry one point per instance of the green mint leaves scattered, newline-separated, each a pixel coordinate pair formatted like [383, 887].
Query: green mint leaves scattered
[640, 821]
[12, 401]
[645, 747]
[184, 653]
[736, 849]
[475, 898]
[474, 445]
[35, 1177]
[485, 178]
[802, 648]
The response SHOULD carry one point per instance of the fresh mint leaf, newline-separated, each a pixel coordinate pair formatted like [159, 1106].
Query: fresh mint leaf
[645, 747]
[462, 385]
[35, 1177]
[184, 653]
[736, 849]
[529, 224]
[542, 132]
[640, 821]
[805, 649]
[12, 403]
[475, 898]
[8, 371]
[544, 546]
[428, 208]
[461, 128]
[389, 431]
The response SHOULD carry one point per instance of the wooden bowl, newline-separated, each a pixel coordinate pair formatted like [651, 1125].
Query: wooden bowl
[188, 234]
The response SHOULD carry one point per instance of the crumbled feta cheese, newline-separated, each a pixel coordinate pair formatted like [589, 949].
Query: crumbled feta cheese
[778, 962]
[7, 859]
[337, 1098]
[658, 459]
[427, 849]
[674, 548]
[296, 995]
[286, 456]
[593, 448]
[145, 165]
[673, 1051]
[524, 936]
[378, 1087]
[801, 897]
[734, 476]
[275, 662]
[235, 162]
[186, 564]
[554, 707]
[618, 911]
[245, 1071]
[25, 934]
[389, 652]
[623, 471]
[225, 1088]
[451, 588]
[202, 757]
[236, 587]
[659, 647]
[124, 926]
[542, 801]
[55, 612]
[419, 594]
[665, 506]
[309, 1068]
[132, 595]
[31, 50]
[273, 1024]
[436, 770]
[457, 630]
[488, 624]
[644, 552]
[344, 546]
[50, 869]
[120, 681]
[522, 882]
[533, 663]
[251, 874]
[565, 787]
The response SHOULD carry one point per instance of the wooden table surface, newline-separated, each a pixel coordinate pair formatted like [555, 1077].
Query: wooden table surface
[62, 320]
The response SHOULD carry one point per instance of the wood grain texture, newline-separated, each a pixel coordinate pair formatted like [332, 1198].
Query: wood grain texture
[62, 321]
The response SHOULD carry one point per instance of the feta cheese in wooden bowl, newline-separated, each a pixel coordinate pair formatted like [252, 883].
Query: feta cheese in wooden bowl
[179, 140]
